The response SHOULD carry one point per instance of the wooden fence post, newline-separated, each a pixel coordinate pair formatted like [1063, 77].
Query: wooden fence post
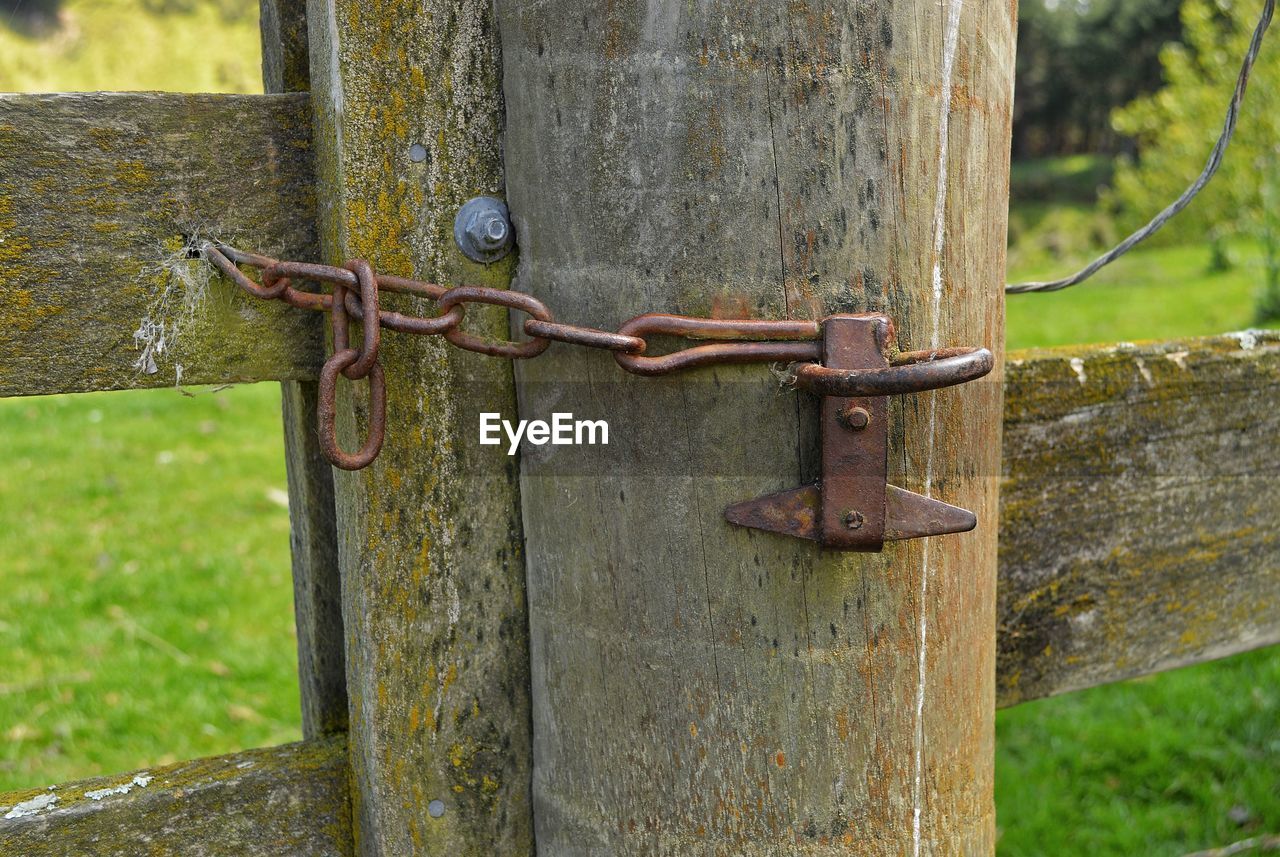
[701, 689]
[313, 535]
[407, 107]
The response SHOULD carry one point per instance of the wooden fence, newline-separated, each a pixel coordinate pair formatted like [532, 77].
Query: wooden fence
[1137, 483]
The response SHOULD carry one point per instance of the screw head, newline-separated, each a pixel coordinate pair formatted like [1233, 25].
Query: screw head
[854, 519]
[482, 229]
[488, 230]
[855, 418]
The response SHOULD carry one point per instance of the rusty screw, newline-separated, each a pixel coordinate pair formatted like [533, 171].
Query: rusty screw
[855, 418]
[854, 520]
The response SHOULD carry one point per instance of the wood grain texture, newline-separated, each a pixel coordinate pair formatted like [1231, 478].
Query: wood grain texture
[291, 800]
[317, 584]
[313, 535]
[286, 63]
[429, 535]
[700, 689]
[1138, 525]
[98, 192]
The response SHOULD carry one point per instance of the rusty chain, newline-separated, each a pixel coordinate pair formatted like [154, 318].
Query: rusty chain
[355, 295]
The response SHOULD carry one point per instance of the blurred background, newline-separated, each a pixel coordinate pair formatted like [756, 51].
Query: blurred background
[144, 551]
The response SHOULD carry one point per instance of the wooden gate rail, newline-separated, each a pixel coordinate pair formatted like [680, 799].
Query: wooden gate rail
[1137, 534]
[97, 194]
[1134, 535]
[285, 800]
[1137, 512]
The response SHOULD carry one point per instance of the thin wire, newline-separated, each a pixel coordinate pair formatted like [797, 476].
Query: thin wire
[1210, 167]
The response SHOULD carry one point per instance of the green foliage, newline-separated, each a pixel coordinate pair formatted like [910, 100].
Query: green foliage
[119, 45]
[1176, 127]
[1078, 59]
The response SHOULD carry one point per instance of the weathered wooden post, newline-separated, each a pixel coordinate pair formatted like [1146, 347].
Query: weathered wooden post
[704, 689]
[407, 108]
[313, 533]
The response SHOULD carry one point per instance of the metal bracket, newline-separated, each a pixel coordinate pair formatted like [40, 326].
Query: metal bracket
[852, 506]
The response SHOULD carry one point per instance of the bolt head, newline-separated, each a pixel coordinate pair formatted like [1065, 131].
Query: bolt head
[488, 231]
[855, 418]
[482, 229]
[854, 520]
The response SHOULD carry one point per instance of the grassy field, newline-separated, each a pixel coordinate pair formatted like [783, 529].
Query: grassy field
[144, 538]
[1148, 294]
[121, 45]
[148, 611]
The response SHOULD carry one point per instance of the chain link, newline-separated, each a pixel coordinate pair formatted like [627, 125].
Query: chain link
[354, 294]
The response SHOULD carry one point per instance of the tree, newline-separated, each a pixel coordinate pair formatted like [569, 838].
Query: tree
[1079, 59]
[1176, 127]
[32, 17]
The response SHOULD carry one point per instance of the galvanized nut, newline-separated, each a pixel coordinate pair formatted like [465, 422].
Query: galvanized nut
[488, 231]
[854, 520]
[482, 229]
[855, 418]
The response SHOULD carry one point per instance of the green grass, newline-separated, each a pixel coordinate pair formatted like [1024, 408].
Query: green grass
[1160, 766]
[119, 45]
[1155, 293]
[148, 611]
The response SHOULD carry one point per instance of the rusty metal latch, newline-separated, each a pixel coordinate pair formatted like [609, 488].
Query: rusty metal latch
[852, 506]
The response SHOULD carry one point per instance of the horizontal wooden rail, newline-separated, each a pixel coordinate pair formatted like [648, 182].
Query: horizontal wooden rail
[98, 195]
[1138, 533]
[1137, 523]
[1138, 526]
[284, 800]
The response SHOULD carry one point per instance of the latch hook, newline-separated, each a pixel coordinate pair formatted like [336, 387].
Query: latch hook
[852, 506]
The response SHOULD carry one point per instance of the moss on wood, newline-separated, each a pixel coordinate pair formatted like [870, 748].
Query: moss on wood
[260, 803]
[433, 594]
[1138, 524]
[99, 195]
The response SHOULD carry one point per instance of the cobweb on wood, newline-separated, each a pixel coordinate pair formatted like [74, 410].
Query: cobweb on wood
[177, 285]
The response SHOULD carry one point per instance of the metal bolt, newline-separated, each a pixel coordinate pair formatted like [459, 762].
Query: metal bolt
[854, 520]
[435, 809]
[482, 229]
[855, 418]
[489, 232]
